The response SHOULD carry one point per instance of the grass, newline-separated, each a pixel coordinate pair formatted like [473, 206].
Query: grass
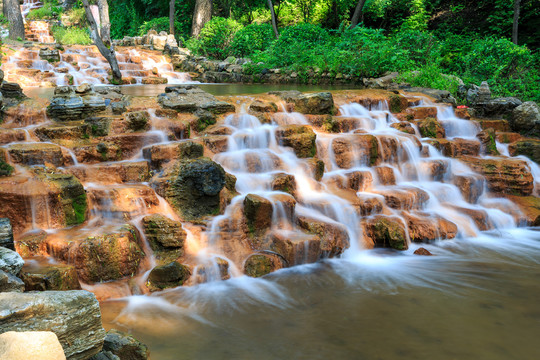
[71, 36]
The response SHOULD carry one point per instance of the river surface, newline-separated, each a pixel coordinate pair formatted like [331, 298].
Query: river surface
[474, 299]
[214, 89]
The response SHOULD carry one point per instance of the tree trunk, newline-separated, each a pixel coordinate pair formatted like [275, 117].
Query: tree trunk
[171, 17]
[108, 53]
[517, 9]
[105, 31]
[201, 15]
[357, 13]
[14, 16]
[274, 21]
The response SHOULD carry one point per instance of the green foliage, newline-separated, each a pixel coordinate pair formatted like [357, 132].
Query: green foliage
[157, 24]
[71, 36]
[76, 17]
[3, 20]
[430, 76]
[215, 38]
[252, 39]
[50, 10]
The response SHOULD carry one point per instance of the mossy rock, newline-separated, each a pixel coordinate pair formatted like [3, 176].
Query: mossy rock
[195, 187]
[54, 277]
[166, 276]
[388, 232]
[299, 137]
[260, 264]
[431, 128]
[258, 213]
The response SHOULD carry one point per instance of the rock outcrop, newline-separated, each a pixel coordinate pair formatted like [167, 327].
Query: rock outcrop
[190, 99]
[74, 316]
[70, 104]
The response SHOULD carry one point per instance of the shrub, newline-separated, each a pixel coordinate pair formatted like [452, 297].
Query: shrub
[252, 39]
[50, 10]
[157, 24]
[304, 33]
[430, 76]
[71, 36]
[215, 38]
[76, 17]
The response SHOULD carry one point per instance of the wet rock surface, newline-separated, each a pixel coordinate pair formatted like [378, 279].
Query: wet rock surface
[190, 98]
[74, 316]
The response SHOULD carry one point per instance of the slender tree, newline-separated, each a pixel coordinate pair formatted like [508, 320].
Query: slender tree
[107, 52]
[201, 15]
[357, 13]
[105, 23]
[274, 20]
[14, 16]
[517, 8]
[171, 16]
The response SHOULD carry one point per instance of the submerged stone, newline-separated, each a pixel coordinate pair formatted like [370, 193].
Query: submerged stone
[260, 264]
[166, 276]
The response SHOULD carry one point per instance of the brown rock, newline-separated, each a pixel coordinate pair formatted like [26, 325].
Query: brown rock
[422, 251]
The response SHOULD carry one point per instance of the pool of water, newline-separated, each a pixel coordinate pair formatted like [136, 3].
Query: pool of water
[474, 299]
[215, 89]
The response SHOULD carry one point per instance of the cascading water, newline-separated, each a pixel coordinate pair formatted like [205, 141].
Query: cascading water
[372, 171]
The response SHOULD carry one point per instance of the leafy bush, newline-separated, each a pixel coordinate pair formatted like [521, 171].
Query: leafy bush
[304, 33]
[3, 19]
[157, 24]
[71, 36]
[76, 17]
[50, 10]
[215, 38]
[430, 76]
[252, 39]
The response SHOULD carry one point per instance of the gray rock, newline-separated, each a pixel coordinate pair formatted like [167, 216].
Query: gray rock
[6, 234]
[381, 82]
[496, 107]
[105, 355]
[137, 120]
[66, 105]
[525, 119]
[74, 316]
[167, 276]
[51, 55]
[10, 261]
[125, 346]
[12, 90]
[192, 187]
[315, 103]
[9, 282]
[484, 94]
[189, 98]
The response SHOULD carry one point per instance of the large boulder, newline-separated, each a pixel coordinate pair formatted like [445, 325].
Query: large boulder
[386, 231]
[496, 107]
[10, 261]
[69, 105]
[258, 213]
[167, 276]
[124, 346]
[333, 236]
[74, 316]
[525, 119]
[503, 175]
[50, 277]
[36, 154]
[42, 345]
[315, 103]
[430, 127]
[165, 236]
[192, 187]
[6, 234]
[190, 98]
[112, 255]
[260, 264]
[528, 147]
[48, 200]
[299, 137]
[10, 283]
